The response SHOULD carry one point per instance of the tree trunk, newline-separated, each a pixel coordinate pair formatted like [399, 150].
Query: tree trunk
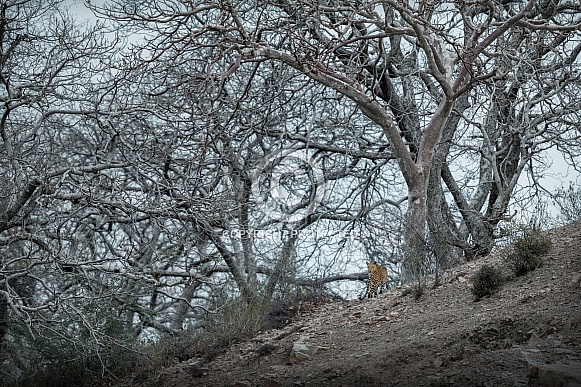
[248, 293]
[413, 267]
[415, 170]
[183, 307]
[3, 313]
[417, 177]
[444, 236]
[281, 264]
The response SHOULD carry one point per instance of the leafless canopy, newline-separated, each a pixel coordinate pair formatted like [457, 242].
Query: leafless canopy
[178, 154]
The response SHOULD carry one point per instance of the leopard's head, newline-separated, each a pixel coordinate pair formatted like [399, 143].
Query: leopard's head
[372, 266]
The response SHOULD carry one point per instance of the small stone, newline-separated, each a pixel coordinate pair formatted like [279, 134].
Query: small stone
[534, 339]
[269, 383]
[298, 357]
[278, 368]
[470, 351]
[301, 352]
[438, 362]
[575, 281]
[567, 325]
[195, 370]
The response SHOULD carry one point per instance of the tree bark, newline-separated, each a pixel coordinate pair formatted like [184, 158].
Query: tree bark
[281, 264]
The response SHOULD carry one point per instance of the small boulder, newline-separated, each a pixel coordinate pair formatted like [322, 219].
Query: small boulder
[301, 352]
[575, 281]
[557, 374]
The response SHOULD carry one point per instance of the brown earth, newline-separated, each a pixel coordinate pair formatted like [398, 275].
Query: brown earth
[529, 333]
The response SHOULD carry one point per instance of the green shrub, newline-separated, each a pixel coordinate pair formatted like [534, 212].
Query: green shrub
[487, 281]
[528, 248]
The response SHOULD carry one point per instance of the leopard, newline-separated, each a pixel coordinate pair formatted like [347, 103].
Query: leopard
[377, 280]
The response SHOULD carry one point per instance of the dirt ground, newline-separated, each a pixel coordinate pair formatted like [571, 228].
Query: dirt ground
[528, 334]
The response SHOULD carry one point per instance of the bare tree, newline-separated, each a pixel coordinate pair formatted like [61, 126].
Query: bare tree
[55, 177]
[251, 149]
[248, 117]
[126, 185]
[418, 74]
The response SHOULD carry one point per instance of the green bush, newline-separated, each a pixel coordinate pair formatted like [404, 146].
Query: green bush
[528, 248]
[487, 281]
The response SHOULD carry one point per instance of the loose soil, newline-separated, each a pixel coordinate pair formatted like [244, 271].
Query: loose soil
[443, 339]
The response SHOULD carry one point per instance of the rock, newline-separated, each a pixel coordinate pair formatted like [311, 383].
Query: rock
[298, 357]
[269, 383]
[301, 352]
[241, 383]
[533, 357]
[265, 350]
[535, 338]
[567, 325]
[470, 351]
[195, 370]
[438, 362]
[565, 375]
[575, 281]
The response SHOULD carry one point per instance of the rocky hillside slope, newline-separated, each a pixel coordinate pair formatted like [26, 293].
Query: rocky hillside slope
[527, 334]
